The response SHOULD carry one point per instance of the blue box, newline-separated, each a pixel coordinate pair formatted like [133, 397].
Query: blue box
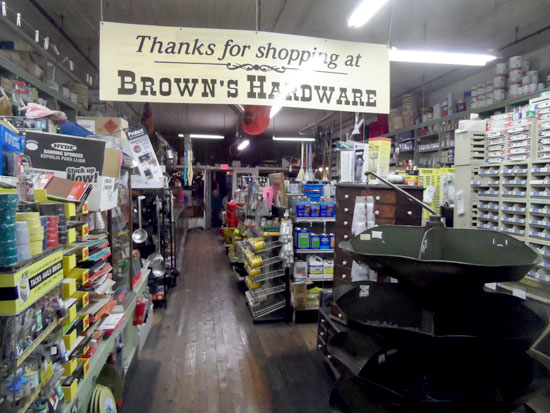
[303, 209]
[328, 209]
[10, 143]
[315, 210]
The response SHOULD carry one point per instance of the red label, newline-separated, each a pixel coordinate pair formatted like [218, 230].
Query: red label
[110, 126]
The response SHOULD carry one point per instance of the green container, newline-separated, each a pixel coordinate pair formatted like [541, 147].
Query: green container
[302, 238]
[315, 242]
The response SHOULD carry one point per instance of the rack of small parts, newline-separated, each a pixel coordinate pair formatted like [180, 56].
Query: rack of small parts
[508, 190]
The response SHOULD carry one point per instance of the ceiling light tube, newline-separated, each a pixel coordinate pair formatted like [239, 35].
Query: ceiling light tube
[243, 144]
[201, 136]
[364, 12]
[293, 138]
[444, 58]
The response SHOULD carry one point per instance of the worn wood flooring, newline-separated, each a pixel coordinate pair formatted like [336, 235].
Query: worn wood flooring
[205, 355]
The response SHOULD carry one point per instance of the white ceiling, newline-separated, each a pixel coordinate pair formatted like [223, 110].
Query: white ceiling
[462, 25]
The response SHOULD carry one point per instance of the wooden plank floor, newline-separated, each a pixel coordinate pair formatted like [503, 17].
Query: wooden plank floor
[205, 355]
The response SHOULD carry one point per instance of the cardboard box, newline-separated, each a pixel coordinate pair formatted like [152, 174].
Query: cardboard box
[79, 159]
[104, 126]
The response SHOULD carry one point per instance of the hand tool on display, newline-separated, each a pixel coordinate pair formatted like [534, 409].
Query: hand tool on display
[139, 236]
[301, 172]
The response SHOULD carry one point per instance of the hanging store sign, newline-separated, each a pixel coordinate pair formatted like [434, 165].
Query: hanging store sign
[187, 65]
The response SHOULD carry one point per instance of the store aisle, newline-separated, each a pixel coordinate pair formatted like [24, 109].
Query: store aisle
[205, 355]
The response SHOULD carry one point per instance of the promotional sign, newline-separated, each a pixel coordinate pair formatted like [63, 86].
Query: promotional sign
[87, 160]
[23, 287]
[139, 146]
[188, 65]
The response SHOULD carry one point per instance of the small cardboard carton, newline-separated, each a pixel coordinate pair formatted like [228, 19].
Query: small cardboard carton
[78, 159]
[104, 126]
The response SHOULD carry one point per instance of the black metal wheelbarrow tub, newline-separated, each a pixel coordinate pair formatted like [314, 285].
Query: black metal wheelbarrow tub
[428, 256]
[354, 349]
[404, 384]
[456, 323]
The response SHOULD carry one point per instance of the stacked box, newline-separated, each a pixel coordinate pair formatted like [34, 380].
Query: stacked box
[80, 91]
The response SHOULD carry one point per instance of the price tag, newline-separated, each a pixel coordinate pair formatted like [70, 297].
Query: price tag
[519, 292]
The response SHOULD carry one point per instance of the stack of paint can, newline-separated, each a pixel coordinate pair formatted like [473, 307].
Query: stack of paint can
[8, 249]
[36, 231]
[59, 211]
[22, 241]
[52, 231]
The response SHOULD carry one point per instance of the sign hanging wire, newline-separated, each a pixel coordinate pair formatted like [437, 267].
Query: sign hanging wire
[392, 6]
[257, 15]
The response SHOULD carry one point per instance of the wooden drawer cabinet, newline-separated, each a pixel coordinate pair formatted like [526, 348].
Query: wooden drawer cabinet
[326, 329]
[342, 274]
[342, 258]
[390, 208]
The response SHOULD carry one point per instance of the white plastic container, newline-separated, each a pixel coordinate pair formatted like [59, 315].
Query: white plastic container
[501, 68]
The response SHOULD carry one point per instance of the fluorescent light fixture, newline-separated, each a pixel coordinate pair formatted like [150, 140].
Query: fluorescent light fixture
[180, 135]
[445, 58]
[201, 136]
[293, 138]
[364, 12]
[243, 144]
[274, 110]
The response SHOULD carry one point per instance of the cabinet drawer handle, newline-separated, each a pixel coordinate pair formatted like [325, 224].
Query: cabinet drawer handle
[339, 315]
[346, 237]
[329, 356]
[409, 212]
[322, 321]
[344, 262]
[344, 276]
[345, 222]
[319, 346]
[346, 196]
[346, 209]
[376, 212]
[377, 197]
[322, 333]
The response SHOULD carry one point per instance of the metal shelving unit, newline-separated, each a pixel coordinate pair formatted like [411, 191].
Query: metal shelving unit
[66, 104]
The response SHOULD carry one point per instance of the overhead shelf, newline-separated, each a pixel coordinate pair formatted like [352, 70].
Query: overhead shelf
[37, 83]
[464, 114]
[314, 219]
[312, 251]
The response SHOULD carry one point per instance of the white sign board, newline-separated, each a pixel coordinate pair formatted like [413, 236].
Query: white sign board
[141, 63]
